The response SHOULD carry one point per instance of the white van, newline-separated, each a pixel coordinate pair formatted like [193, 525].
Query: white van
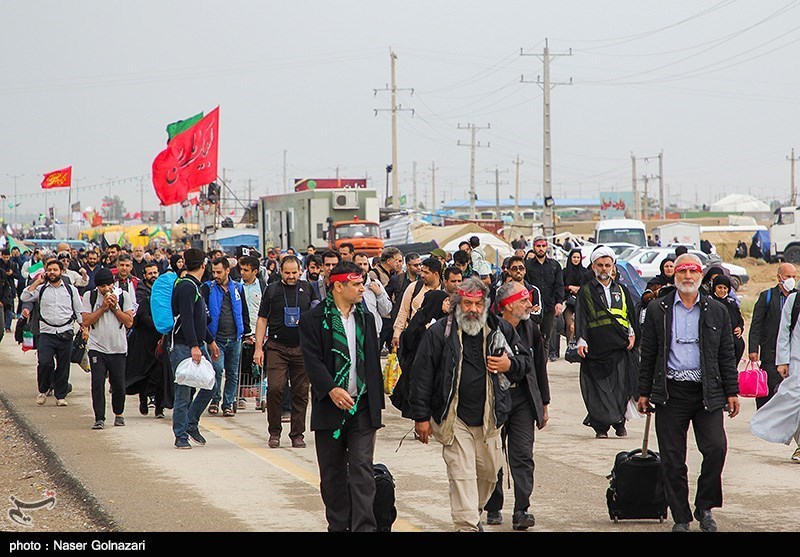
[620, 231]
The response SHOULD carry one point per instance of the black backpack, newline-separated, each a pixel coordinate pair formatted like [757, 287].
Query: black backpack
[36, 316]
[384, 505]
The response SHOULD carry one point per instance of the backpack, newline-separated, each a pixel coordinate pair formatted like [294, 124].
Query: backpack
[36, 315]
[384, 505]
[161, 302]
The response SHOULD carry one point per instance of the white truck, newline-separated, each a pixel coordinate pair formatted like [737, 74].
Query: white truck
[620, 231]
[784, 235]
[674, 233]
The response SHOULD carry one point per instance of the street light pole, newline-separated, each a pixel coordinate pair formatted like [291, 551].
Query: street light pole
[14, 177]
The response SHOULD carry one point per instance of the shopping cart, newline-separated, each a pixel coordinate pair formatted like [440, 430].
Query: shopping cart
[252, 386]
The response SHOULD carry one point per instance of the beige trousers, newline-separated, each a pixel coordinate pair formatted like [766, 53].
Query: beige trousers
[472, 464]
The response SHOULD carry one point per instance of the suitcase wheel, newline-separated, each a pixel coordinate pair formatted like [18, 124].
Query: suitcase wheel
[615, 519]
[661, 519]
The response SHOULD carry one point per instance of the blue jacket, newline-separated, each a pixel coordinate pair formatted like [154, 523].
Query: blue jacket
[241, 316]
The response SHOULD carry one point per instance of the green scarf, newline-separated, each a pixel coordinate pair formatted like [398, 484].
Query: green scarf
[341, 351]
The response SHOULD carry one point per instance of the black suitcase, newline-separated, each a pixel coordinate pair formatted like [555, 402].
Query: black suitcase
[637, 490]
[384, 505]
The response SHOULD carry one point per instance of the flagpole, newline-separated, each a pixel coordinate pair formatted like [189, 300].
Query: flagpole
[69, 213]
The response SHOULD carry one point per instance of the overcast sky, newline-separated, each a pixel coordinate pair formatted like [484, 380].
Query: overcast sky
[94, 83]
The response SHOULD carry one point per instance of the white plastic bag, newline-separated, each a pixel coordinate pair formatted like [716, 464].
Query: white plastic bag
[632, 411]
[199, 376]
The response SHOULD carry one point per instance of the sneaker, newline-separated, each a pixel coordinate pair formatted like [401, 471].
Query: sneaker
[119, 420]
[796, 455]
[143, 409]
[493, 518]
[681, 527]
[182, 444]
[61, 402]
[274, 442]
[707, 522]
[196, 437]
[99, 424]
[41, 398]
[298, 442]
[523, 520]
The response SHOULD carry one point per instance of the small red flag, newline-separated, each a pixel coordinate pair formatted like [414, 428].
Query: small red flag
[58, 178]
[188, 162]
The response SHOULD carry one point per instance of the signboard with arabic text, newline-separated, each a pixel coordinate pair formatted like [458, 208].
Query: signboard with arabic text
[616, 205]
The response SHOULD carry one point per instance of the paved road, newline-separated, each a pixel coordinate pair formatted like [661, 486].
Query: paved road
[235, 483]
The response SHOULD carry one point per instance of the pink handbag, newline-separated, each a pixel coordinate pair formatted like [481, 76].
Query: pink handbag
[753, 381]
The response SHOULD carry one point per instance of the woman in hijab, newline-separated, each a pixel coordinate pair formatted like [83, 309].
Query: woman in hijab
[435, 305]
[667, 272]
[575, 275]
[721, 286]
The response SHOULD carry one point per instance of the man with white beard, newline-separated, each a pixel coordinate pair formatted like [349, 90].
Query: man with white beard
[688, 369]
[529, 399]
[460, 395]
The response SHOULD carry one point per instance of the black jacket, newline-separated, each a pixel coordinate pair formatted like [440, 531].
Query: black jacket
[435, 365]
[536, 378]
[549, 278]
[191, 328]
[764, 326]
[717, 360]
[316, 343]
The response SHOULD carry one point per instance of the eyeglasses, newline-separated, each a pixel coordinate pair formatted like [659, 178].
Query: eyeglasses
[517, 268]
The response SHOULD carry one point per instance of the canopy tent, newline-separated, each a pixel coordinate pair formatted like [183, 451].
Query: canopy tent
[739, 203]
[228, 239]
[495, 249]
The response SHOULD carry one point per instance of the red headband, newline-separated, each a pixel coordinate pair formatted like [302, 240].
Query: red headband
[521, 295]
[345, 277]
[689, 267]
[474, 295]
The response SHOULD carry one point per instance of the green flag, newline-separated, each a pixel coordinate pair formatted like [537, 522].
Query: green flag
[35, 268]
[175, 128]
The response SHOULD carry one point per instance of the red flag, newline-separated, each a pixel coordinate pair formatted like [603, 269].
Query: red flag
[58, 178]
[188, 162]
[97, 220]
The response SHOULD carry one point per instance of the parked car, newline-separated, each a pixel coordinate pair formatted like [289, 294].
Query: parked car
[647, 263]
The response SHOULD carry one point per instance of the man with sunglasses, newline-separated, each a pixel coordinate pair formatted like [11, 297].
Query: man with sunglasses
[546, 274]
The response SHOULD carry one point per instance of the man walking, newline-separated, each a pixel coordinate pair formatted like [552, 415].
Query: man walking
[604, 326]
[59, 307]
[280, 310]
[375, 298]
[460, 396]
[765, 325]
[688, 370]
[189, 340]
[107, 317]
[138, 262]
[230, 324]
[530, 397]
[345, 373]
[546, 275]
[430, 278]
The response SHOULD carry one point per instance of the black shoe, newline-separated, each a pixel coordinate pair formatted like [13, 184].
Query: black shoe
[707, 522]
[196, 437]
[523, 520]
[143, 407]
[182, 444]
[619, 429]
[99, 424]
[119, 421]
[493, 518]
[601, 435]
[681, 527]
[160, 413]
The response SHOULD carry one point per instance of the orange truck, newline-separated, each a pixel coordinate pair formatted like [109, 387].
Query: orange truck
[324, 218]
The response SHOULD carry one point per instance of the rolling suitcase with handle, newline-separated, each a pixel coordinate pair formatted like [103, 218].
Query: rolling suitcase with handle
[636, 489]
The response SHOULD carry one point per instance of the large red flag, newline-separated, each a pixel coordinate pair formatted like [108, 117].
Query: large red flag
[188, 162]
[58, 178]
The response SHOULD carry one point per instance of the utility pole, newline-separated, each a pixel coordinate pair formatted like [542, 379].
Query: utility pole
[250, 190]
[141, 199]
[414, 184]
[473, 146]
[394, 110]
[285, 175]
[433, 170]
[793, 190]
[662, 209]
[637, 208]
[645, 197]
[497, 173]
[15, 177]
[517, 163]
[546, 85]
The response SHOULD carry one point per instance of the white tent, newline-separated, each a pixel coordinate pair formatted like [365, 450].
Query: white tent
[739, 203]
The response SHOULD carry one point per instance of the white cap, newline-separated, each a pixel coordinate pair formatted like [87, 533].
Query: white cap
[603, 251]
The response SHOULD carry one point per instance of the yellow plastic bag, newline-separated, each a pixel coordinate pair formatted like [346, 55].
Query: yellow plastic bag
[391, 373]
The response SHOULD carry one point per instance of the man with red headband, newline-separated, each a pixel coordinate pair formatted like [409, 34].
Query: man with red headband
[460, 395]
[343, 364]
[529, 399]
[688, 370]
[604, 327]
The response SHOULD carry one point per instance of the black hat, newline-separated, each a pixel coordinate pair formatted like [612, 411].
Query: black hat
[103, 276]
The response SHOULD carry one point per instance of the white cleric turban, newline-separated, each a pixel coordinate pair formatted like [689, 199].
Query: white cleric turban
[603, 251]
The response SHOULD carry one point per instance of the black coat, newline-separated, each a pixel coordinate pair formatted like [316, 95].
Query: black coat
[316, 343]
[536, 378]
[717, 359]
[548, 277]
[435, 365]
[764, 326]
